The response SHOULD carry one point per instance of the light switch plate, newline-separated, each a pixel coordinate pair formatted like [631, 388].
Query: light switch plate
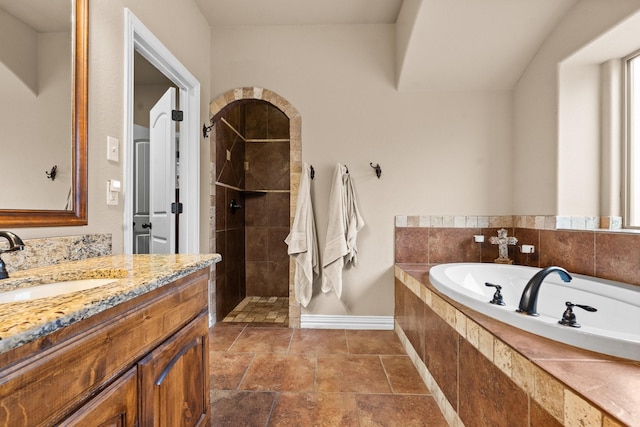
[113, 149]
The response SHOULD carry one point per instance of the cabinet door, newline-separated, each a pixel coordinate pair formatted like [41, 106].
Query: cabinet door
[116, 406]
[174, 379]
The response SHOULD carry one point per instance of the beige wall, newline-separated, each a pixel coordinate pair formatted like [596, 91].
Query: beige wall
[36, 128]
[180, 26]
[440, 153]
[544, 183]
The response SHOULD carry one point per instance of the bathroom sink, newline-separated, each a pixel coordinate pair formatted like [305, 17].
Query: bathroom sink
[51, 289]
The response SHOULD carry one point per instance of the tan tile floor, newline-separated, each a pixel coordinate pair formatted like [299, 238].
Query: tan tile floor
[261, 310]
[264, 376]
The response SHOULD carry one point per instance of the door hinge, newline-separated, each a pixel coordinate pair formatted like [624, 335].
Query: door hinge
[176, 208]
[177, 115]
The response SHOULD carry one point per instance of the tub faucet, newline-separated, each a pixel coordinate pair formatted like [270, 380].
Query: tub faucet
[529, 298]
[15, 244]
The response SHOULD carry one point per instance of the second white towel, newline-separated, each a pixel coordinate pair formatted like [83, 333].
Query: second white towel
[344, 224]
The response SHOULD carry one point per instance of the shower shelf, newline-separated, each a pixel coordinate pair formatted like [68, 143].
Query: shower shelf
[251, 192]
[260, 192]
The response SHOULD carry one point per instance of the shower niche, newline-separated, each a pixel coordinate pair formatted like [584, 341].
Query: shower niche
[252, 203]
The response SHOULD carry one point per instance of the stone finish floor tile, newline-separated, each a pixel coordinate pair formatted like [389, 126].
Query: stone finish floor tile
[257, 340]
[380, 410]
[319, 341]
[403, 376]
[351, 374]
[284, 377]
[240, 409]
[280, 372]
[374, 342]
[315, 409]
[221, 338]
[227, 369]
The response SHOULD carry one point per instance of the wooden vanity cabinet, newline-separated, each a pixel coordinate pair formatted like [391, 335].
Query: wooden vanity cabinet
[141, 363]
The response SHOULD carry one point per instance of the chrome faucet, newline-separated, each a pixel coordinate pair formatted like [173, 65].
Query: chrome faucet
[529, 298]
[15, 244]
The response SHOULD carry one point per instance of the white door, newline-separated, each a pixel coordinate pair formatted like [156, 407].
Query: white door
[140, 190]
[162, 172]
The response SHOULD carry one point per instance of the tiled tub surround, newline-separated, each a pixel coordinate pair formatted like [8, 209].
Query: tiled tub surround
[484, 372]
[134, 275]
[606, 254]
[53, 250]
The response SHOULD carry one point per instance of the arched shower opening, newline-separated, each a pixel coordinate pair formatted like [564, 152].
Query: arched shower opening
[256, 160]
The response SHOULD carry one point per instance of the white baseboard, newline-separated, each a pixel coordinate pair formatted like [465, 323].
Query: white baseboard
[321, 321]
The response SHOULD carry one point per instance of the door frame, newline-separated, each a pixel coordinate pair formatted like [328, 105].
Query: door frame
[139, 38]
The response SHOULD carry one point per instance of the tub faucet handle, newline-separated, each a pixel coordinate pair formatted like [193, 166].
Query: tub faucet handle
[497, 296]
[569, 318]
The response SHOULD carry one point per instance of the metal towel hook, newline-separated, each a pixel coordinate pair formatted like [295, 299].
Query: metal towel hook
[207, 129]
[377, 168]
[52, 173]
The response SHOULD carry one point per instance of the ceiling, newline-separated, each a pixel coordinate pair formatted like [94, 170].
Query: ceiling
[298, 12]
[450, 45]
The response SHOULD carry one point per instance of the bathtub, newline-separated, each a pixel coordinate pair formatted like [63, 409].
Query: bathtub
[614, 329]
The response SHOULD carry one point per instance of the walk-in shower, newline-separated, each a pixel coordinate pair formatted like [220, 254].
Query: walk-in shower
[252, 211]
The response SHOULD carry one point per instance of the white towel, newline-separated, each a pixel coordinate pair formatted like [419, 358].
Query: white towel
[354, 221]
[303, 242]
[342, 231]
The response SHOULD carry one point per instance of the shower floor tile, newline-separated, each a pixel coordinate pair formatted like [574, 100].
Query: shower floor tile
[273, 310]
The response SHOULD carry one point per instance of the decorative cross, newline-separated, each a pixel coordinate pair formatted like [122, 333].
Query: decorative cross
[502, 241]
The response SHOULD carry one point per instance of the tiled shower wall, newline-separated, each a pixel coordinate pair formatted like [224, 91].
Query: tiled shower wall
[267, 214]
[607, 254]
[230, 235]
[252, 158]
[267, 264]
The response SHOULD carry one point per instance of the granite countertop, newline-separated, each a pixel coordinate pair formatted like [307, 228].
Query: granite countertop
[134, 275]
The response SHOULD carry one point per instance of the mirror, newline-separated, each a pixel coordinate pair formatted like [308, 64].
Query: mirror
[40, 48]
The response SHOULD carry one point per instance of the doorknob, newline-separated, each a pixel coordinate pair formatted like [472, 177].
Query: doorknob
[148, 225]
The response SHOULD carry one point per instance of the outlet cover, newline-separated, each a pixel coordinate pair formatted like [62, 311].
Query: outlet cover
[112, 196]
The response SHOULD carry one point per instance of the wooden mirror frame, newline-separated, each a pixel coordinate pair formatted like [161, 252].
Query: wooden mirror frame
[78, 216]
